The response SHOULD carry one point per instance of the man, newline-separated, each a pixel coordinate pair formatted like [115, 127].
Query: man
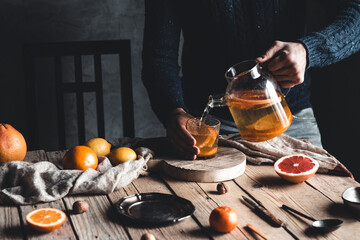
[219, 33]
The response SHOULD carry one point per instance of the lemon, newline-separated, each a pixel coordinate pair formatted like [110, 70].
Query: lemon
[100, 146]
[121, 155]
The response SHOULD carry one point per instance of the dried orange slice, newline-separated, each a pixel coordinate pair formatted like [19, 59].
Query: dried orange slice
[296, 168]
[207, 139]
[45, 219]
[252, 100]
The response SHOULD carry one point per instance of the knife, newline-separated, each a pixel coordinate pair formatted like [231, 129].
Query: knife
[268, 216]
[274, 221]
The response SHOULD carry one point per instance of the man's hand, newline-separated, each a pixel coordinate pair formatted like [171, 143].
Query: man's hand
[179, 137]
[286, 61]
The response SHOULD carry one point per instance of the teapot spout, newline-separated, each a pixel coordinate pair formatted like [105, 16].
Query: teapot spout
[216, 101]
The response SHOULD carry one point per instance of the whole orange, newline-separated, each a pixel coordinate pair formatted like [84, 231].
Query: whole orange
[223, 219]
[12, 144]
[81, 158]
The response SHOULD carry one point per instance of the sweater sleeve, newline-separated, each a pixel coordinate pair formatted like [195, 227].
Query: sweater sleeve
[160, 70]
[338, 40]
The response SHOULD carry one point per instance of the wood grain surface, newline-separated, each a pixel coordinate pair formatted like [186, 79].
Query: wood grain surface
[227, 164]
[319, 197]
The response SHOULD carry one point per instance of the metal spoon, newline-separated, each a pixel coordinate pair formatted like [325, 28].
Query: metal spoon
[325, 225]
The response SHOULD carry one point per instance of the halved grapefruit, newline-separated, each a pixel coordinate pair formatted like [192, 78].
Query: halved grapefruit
[45, 219]
[296, 168]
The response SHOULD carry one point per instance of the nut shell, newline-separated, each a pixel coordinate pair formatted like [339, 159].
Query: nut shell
[80, 206]
[222, 188]
[148, 236]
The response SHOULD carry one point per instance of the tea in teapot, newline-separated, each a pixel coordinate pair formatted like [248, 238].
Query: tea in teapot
[255, 101]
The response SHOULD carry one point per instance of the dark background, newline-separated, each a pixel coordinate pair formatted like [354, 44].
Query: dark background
[335, 89]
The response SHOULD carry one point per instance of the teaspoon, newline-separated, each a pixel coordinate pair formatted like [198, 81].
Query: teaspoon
[325, 225]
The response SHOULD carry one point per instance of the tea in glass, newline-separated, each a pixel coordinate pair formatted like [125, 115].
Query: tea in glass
[206, 134]
[258, 115]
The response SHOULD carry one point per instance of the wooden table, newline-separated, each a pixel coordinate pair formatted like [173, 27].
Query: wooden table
[319, 197]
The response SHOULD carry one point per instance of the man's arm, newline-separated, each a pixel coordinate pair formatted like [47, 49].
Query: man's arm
[160, 73]
[337, 41]
[288, 60]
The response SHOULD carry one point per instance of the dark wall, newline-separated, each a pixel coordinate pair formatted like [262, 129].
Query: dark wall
[34, 21]
[335, 98]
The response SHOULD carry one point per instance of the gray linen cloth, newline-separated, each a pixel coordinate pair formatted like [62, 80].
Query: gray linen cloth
[24, 182]
[273, 149]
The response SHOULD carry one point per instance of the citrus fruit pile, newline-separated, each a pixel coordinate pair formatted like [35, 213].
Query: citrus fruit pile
[296, 168]
[85, 157]
[223, 219]
[45, 219]
[12, 144]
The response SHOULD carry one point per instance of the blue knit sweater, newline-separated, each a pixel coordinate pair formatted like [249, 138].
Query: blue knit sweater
[219, 33]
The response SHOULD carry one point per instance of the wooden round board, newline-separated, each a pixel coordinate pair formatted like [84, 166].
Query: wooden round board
[227, 164]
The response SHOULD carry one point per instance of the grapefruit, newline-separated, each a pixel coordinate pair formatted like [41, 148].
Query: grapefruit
[12, 144]
[296, 168]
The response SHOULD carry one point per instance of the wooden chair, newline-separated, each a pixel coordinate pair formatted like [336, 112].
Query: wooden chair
[77, 50]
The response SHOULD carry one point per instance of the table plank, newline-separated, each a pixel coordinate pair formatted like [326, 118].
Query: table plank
[332, 186]
[56, 157]
[274, 191]
[187, 228]
[204, 205]
[97, 222]
[35, 156]
[65, 231]
[233, 199]
[10, 225]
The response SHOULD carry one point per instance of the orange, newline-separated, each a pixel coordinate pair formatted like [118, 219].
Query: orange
[81, 158]
[100, 146]
[45, 219]
[296, 168]
[12, 144]
[223, 219]
[121, 155]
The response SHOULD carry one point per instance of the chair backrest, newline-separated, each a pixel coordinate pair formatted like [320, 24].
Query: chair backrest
[79, 87]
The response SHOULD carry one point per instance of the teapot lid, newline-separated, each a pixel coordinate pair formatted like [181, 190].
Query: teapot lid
[243, 68]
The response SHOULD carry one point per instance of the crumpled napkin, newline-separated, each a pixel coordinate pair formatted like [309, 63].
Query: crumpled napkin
[271, 150]
[24, 182]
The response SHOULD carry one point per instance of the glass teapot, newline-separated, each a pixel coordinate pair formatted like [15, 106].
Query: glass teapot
[255, 101]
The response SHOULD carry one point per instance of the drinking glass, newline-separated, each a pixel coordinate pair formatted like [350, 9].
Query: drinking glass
[206, 134]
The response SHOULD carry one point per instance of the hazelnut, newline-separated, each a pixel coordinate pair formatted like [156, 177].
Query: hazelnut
[148, 236]
[80, 206]
[222, 188]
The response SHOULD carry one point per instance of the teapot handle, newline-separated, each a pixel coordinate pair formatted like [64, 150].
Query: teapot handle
[285, 91]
